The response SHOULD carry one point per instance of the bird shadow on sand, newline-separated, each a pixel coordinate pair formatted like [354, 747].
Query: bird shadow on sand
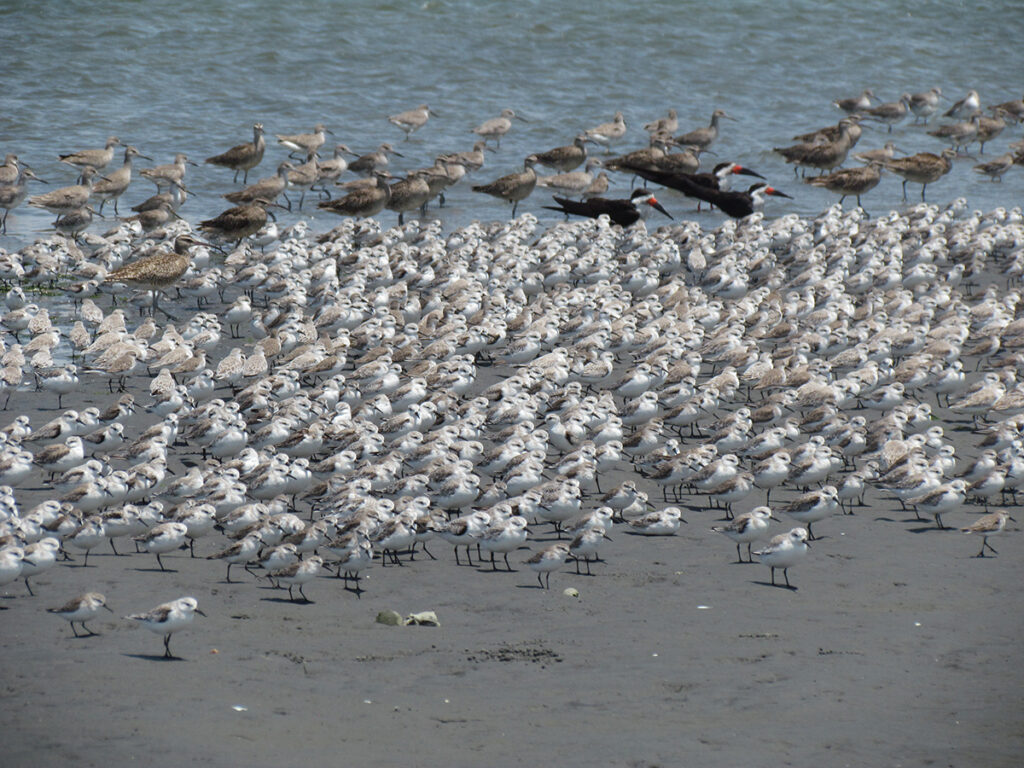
[926, 528]
[775, 586]
[153, 657]
[156, 570]
[287, 600]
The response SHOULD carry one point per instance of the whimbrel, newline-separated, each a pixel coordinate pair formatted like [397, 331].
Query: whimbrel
[497, 127]
[850, 181]
[412, 119]
[158, 270]
[514, 186]
[922, 168]
[243, 157]
[113, 185]
[93, 158]
[364, 201]
[239, 222]
[409, 194]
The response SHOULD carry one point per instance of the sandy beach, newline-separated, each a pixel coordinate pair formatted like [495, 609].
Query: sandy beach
[897, 646]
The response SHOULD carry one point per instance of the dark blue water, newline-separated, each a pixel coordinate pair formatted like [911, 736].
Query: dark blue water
[194, 76]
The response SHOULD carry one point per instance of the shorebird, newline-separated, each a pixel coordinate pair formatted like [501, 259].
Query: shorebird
[608, 133]
[81, 609]
[159, 270]
[243, 157]
[945, 497]
[1014, 109]
[994, 169]
[409, 194]
[922, 168]
[170, 175]
[239, 222]
[113, 185]
[821, 153]
[702, 138]
[11, 195]
[877, 155]
[332, 168]
[371, 162]
[549, 559]
[891, 112]
[855, 104]
[965, 107]
[663, 125]
[304, 143]
[565, 158]
[746, 529]
[958, 134]
[67, 199]
[514, 186]
[621, 212]
[990, 127]
[471, 160]
[988, 525]
[168, 618]
[97, 159]
[497, 127]
[412, 119]
[367, 200]
[572, 182]
[784, 551]
[268, 188]
[10, 171]
[925, 103]
[850, 181]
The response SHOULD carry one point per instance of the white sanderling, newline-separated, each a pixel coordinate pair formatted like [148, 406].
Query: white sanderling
[784, 551]
[168, 618]
[38, 557]
[297, 574]
[549, 559]
[813, 506]
[243, 552]
[163, 538]
[946, 497]
[988, 525]
[662, 522]
[747, 528]
[504, 536]
[81, 609]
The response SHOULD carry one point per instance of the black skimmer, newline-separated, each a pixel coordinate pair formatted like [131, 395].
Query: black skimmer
[734, 204]
[621, 212]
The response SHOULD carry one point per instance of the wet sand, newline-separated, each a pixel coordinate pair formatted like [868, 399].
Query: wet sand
[897, 648]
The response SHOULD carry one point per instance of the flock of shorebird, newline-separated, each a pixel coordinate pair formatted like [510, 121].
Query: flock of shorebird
[394, 388]
[669, 160]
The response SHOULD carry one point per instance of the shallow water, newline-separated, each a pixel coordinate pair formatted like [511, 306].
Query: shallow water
[195, 79]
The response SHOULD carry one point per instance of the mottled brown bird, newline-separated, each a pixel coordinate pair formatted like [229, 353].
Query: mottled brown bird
[157, 270]
[239, 222]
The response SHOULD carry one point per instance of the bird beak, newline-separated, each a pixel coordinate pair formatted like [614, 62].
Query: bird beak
[397, 154]
[776, 193]
[200, 612]
[329, 131]
[730, 117]
[658, 206]
[146, 157]
[739, 169]
[192, 162]
[108, 607]
[520, 117]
